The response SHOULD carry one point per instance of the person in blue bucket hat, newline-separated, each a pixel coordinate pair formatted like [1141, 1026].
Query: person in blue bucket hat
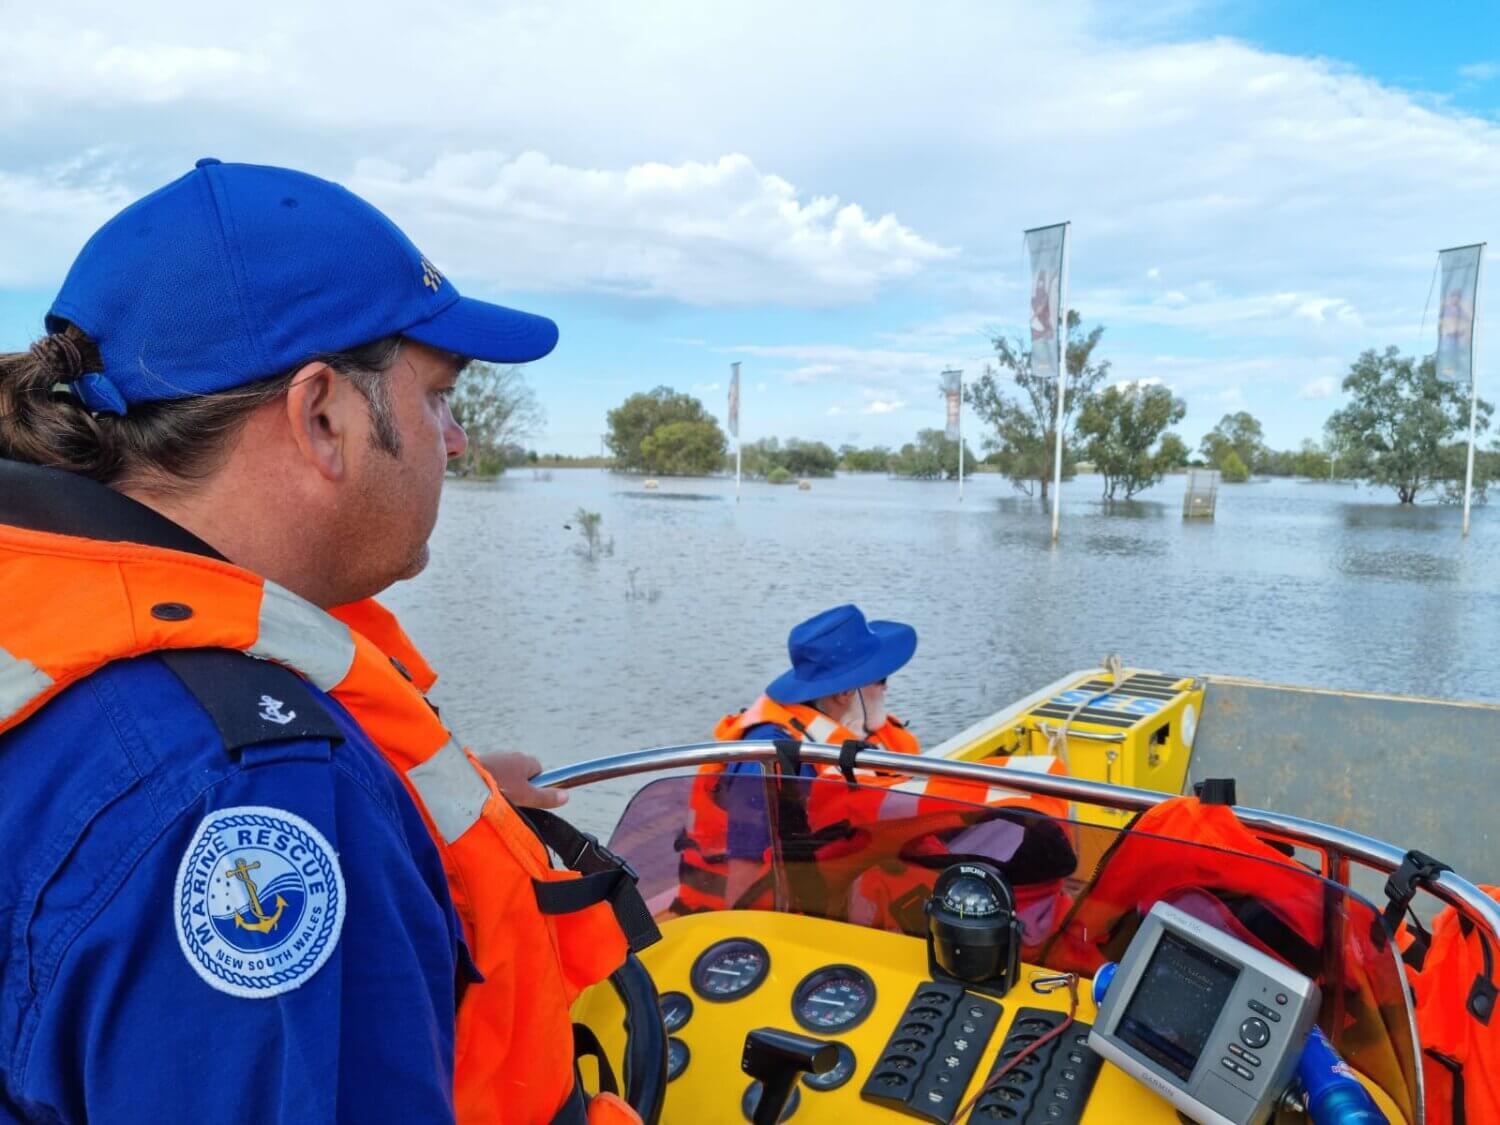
[834, 692]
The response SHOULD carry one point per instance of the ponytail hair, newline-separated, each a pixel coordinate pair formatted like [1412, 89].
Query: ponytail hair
[41, 420]
[163, 445]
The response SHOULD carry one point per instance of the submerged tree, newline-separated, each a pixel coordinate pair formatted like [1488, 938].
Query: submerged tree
[1400, 428]
[496, 409]
[933, 456]
[694, 445]
[1020, 406]
[1121, 425]
[684, 449]
[1239, 433]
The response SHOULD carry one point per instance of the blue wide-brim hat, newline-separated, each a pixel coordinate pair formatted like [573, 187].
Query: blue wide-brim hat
[838, 651]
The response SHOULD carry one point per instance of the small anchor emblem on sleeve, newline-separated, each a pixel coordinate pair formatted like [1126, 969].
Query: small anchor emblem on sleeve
[264, 922]
[271, 712]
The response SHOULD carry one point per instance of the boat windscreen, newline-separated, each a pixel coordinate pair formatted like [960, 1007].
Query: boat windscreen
[870, 856]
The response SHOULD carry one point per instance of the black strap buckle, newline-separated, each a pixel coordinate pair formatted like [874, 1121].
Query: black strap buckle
[1216, 791]
[1416, 869]
[593, 856]
[607, 877]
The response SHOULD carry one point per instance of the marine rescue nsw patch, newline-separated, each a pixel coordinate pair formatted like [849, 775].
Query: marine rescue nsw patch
[259, 901]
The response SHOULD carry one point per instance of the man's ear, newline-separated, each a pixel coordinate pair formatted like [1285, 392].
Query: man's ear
[318, 410]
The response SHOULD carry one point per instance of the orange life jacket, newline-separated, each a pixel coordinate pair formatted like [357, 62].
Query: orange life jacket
[704, 862]
[1457, 1023]
[1263, 902]
[110, 601]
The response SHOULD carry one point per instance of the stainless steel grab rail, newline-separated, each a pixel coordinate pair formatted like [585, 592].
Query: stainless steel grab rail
[1449, 886]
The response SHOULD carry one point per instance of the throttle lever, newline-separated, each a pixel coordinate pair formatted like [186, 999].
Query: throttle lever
[777, 1058]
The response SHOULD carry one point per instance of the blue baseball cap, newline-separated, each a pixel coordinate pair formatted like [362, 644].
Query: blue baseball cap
[238, 272]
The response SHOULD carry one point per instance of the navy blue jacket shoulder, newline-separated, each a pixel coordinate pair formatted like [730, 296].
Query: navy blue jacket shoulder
[110, 1009]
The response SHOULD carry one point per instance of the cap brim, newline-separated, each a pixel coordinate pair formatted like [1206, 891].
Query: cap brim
[480, 330]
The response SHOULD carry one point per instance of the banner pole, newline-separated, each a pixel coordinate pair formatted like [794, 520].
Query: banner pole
[734, 395]
[1473, 387]
[1062, 382]
[960, 437]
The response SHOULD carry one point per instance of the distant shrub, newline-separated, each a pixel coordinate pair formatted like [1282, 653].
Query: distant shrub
[778, 475]
[1233, 469]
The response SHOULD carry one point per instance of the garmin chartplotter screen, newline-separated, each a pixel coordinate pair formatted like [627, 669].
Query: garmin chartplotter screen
[1176, 1005]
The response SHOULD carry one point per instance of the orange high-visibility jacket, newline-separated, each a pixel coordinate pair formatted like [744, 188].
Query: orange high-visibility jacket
[513, 1045]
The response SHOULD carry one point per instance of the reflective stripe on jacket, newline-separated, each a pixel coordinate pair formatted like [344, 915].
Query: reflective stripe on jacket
[111, 601]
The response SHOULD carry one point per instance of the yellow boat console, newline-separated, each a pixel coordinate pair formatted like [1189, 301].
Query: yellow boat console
[724, 974]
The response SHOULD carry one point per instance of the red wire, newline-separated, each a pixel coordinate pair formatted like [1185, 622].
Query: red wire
[996, 1078]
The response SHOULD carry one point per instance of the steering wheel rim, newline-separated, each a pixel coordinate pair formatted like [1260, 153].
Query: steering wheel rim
[645, 1076]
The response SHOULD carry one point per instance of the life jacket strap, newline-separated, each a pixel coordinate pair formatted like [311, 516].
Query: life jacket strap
[847, 753]
[789, 756]
[605, 877]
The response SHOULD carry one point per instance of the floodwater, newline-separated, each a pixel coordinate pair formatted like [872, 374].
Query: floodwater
[685, 618]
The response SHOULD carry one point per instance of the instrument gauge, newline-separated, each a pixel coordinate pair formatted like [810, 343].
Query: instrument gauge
[842, 1071]
[730, 969]
[834, 998]
[678, 1057]
[676, 1010]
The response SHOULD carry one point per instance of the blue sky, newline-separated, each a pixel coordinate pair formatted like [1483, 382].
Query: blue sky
[831, 194]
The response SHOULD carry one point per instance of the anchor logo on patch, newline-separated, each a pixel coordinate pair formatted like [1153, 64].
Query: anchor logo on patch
[271, 712]
[264, 922]
[259, 901]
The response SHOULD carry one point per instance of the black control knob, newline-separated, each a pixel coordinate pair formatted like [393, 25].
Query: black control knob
[1255, 1032]
[778, 1058]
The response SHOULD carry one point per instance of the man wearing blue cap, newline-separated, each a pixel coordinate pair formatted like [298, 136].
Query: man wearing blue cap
[833, 693]
[247, 867]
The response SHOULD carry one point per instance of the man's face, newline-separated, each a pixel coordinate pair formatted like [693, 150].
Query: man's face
[397, 495]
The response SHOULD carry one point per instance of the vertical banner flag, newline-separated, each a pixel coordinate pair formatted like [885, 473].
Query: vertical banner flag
[1044, 247]
[1455, 349]
[952, 392]
[734, 400]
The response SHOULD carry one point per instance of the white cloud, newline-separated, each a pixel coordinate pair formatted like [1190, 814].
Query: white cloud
[1322, 387]
[702, 233]
[834, 411]
[883, 406]
[47, 214]
[1137, 384]
[840, 363]
[1287, 201]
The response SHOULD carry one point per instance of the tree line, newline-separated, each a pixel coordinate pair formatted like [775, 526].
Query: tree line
[1402, 428]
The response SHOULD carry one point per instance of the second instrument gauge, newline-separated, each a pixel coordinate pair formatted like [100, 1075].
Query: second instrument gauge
[833, 998]
[730, 969]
